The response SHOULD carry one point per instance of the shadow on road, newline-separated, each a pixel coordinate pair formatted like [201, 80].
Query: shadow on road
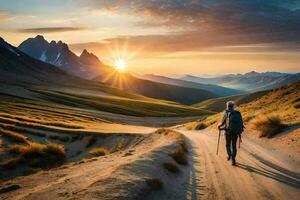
[280, 176]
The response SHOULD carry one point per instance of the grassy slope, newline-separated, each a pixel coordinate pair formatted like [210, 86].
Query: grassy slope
[133, 105]
[153, 89]
[283, 102]
[217, 104]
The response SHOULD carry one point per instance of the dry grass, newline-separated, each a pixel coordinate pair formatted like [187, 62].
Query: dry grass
[179, 155]
[35, 154]
[16, 137]
[283, 101]
[171, 167]
[163, 131]
[154, 183]
[31, 121]
[96, 152]
[268, 125]
[197, 125]
[55, 149]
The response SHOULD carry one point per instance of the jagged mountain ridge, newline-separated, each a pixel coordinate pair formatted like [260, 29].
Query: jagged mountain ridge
[87, 65]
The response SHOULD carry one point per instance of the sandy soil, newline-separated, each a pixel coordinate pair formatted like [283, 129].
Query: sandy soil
[260, 174]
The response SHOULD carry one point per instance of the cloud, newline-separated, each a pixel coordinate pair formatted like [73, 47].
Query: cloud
[205, 17]
[50, 29]
[4, 16]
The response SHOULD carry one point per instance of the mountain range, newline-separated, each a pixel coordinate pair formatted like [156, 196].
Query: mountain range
[251, 81]
[87, 65]
[20, 71]
[217, 90]
[154, 89]
[53, 61]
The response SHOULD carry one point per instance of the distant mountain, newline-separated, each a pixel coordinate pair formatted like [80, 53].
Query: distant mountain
[19, 68]
[87, 65]
[217, 90]
[251, 81]
[153, 89]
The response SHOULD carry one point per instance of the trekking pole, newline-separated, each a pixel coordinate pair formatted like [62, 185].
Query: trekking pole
[218, 141]
[240, 141]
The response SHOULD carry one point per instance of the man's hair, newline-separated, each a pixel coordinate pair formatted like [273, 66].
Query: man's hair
[230, 104]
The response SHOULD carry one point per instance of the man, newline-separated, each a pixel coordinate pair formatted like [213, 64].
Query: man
[232, 123]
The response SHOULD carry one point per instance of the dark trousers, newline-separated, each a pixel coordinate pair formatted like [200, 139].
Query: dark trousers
[231, 145]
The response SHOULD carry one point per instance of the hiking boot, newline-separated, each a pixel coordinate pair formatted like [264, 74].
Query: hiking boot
[233, 163]
[228, 157]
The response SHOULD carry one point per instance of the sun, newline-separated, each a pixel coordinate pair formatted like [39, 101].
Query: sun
[120, 65]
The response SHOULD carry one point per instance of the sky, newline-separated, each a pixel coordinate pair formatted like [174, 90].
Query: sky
[166, 37]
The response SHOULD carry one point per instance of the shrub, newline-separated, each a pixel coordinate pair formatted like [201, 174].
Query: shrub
[14, 136]
[39, 155]
[162, 131]
[55, 149]
[99, 152]
[91, 142]
[172, 167]
[179, 155]
[268, 126]
[154, 183]
[200, 126]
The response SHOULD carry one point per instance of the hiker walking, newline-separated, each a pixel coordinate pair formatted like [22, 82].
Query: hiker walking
[232, 123]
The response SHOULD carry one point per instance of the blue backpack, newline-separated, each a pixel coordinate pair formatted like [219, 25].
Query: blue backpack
[235, 123]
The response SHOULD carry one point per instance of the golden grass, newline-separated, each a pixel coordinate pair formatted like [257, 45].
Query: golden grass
[282, 101]
[197, 125]
[16, 137]
[55, 149]
[35, 154]
[32, 121]
[171, 167]
[268, 125]
[100, 151]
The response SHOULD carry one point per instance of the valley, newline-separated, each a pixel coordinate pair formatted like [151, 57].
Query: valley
[66, 135]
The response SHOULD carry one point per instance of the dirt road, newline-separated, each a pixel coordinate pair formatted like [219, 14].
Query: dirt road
[260, 174]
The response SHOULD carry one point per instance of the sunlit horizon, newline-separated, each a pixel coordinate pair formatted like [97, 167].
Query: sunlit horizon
[165, 37]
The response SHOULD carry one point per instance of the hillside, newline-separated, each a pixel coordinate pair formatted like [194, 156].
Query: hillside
[217, 90]
[153, 89]
[278, 109]
[217, 104]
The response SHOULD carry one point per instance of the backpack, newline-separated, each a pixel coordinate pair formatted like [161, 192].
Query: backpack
[234, 125]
